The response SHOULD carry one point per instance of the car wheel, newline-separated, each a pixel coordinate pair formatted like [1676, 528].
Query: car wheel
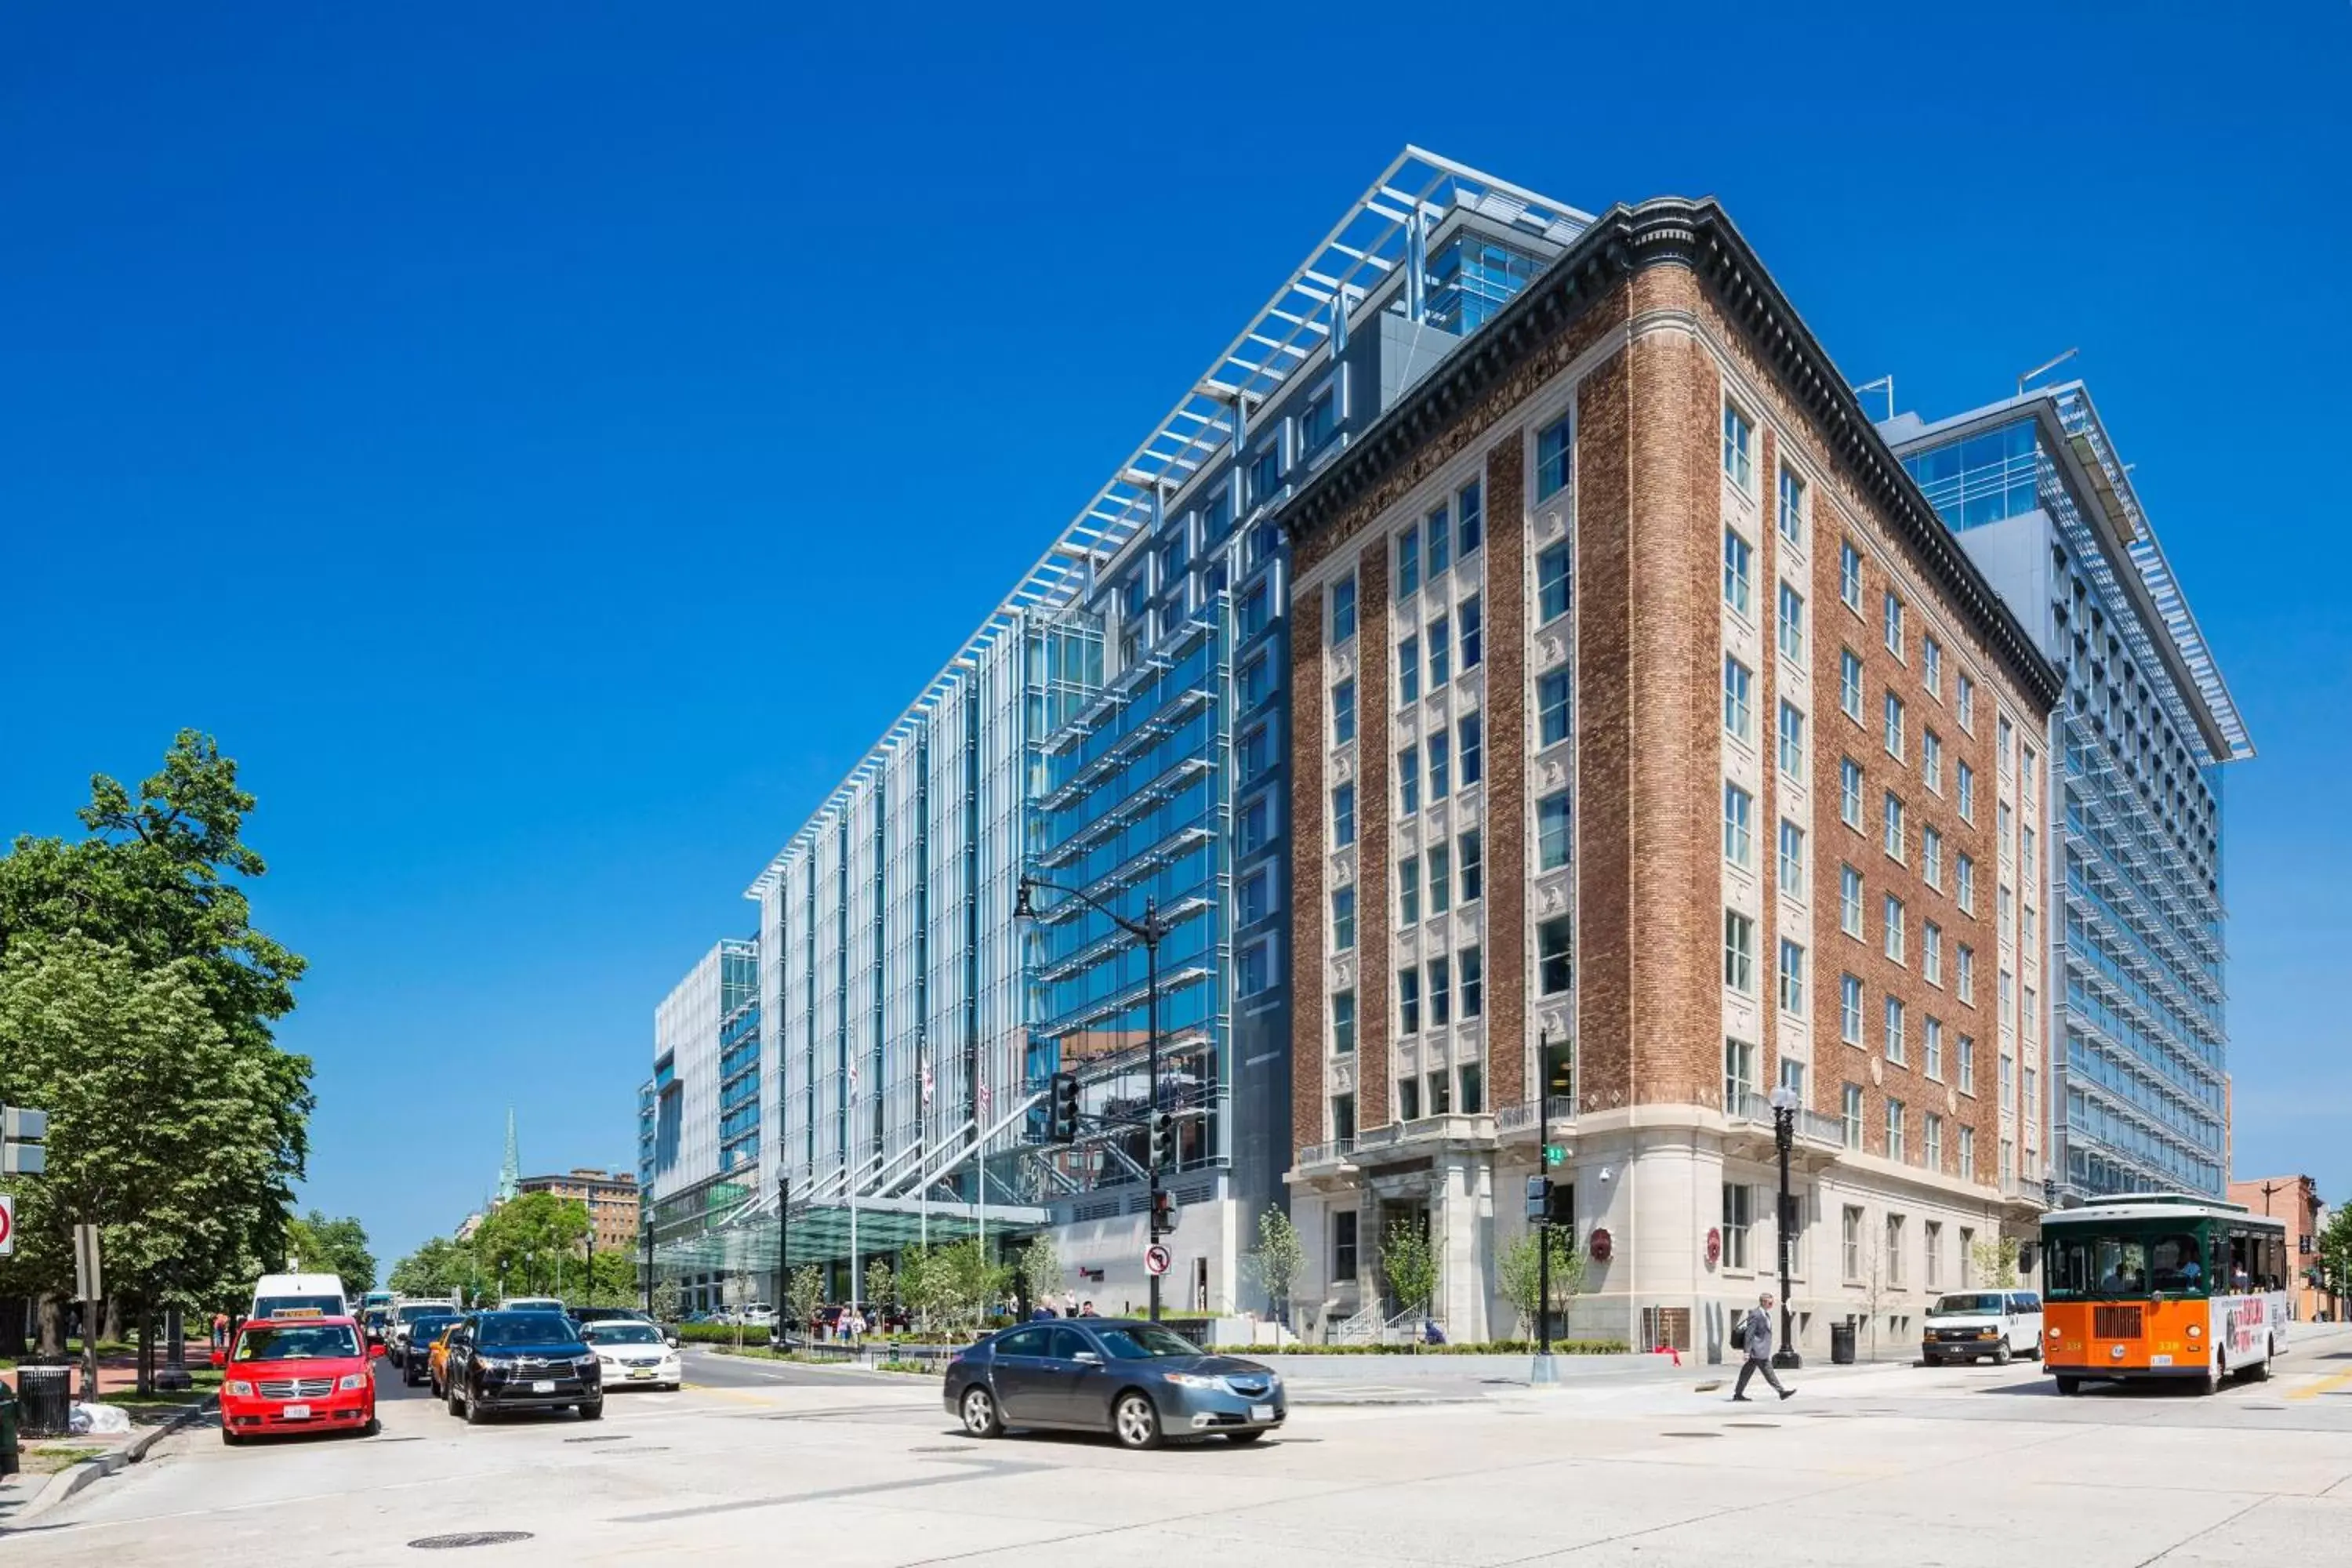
[229, 1438]
[2216, 1374]
[1242, 1439]
[2039, 1341]
[1135, 1421]
[2002, 1352]
[2069, 1386]
[978, 1407]
[374, 1426]
[449, 1397]
[474, 1414]
[591, 1410]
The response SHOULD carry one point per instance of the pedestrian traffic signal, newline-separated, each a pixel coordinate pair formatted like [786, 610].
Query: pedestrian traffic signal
[1539, 1199]
[1163, 1141]
[1163, 1213]
[1062, 1115]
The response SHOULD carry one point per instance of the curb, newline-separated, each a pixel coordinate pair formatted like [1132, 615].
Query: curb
[77, 1477]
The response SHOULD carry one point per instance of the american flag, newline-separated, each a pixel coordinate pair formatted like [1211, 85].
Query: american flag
[984, 1100]
[927, 1083]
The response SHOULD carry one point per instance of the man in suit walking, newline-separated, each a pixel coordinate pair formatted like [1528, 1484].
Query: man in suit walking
[1756, 1340]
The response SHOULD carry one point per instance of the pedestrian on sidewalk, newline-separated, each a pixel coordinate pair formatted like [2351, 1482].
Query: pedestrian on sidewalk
[1755, 1336]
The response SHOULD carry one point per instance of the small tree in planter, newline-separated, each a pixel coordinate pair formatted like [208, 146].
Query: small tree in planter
[1041, 1269]
[804, 1293]
[1410, 1266]
[1275, 1262]
[878, 1288]
[1520, 1269]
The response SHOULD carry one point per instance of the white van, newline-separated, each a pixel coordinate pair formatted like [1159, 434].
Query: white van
[299, 1296]
[1967, 1324]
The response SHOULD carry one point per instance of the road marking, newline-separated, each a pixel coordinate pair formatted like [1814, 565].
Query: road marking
[966, 1470]
[2328, 1385]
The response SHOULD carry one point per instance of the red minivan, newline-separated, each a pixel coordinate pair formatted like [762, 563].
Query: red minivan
[297, 1374]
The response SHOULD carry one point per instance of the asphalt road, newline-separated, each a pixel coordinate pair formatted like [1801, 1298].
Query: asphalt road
[1866, 1465]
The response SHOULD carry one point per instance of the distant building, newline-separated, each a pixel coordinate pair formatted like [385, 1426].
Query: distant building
[2296, 1199]
[470, 1224]
[610, 1197]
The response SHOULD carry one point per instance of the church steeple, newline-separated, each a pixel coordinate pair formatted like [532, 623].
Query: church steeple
[511, 1172]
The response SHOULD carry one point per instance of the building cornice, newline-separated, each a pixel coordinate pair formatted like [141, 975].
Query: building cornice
[1672, 231]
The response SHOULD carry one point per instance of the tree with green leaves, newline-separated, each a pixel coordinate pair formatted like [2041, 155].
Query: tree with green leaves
[1039, 1270]
[1275, 1261]
[528, 1244]
[804, 1293]
[1520, 1272]
[436, 1269]
[878, 1282]
[1995, 1261]
[337, 1246]
[1409, 1265]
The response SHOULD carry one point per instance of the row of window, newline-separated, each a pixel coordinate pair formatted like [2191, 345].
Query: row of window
[1740, 468]
[1453, 528]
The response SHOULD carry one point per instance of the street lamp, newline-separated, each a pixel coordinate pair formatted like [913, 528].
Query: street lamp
[1784, 1137]
[1149, 931]
[783, 1246]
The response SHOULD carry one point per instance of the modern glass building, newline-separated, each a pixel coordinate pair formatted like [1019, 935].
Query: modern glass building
[2034, 489]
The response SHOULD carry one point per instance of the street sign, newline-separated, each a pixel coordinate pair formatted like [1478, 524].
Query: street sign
[1554, 1154]
[1156, 1260]
[1539, 1197]
[21, 1132]
[7, 1225]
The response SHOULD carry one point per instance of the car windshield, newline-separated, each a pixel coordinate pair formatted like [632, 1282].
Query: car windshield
[525, 1329]
[1964, 1306]
[1143, 1342]
[298, 1307]
[426, 1328]
[623, 1334]
[302, 1342]
[2143, 1262]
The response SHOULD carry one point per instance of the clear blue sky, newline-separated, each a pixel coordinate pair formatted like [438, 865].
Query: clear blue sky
[547, 442]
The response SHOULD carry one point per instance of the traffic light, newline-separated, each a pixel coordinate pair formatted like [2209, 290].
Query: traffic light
[1062, 1113]
[21, 1132]
[1163, 1141]
[1163, 1213]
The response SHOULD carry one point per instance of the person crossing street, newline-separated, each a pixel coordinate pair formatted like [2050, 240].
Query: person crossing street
[1756, 1339]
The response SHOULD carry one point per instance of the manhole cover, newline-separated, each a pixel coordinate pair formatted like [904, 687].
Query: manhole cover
[469, 1538]
[1690, 1434]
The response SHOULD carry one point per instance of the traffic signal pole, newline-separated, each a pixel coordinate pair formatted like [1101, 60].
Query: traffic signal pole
[1545, 1371]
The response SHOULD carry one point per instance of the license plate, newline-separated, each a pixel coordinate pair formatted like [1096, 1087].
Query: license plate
[1261, 1412]
[641, 1371]
[2159, 1361]
[298, 1412]
[542, 1386]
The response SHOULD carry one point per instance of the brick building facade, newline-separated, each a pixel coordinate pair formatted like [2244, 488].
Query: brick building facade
[1691, 758]
[2295, 1200]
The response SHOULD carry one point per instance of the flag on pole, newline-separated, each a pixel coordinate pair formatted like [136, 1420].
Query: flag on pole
[927, 1083]
[984, 1100]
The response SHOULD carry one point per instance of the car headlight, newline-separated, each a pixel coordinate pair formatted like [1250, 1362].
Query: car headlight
[351, 1380]
[607, 1360]
[241, 1389]
[495, 1362]
[1193, 1380]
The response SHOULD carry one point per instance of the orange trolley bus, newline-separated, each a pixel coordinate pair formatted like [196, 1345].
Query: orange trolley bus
[2162, 1285]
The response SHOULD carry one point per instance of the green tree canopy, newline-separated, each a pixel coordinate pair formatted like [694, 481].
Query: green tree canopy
[1409, 1265]
[436, 1269]
[532, 1244]
[1275, 1261]
[1520, 1272]
[337, 1246]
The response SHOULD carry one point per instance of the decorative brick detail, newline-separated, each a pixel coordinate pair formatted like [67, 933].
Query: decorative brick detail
[1604, 739]
[1505, 947]
[1375, 968]
[1310, 854]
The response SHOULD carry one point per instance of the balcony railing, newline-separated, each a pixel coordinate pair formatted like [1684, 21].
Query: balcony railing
[1560, 1112]
[2029, 1189]
[1329, 1153]
[1814, 1126]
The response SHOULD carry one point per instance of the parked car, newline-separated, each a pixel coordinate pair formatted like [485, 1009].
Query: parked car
[1141, 1382]
[299, 1296]
[412, 1343]
[307, 1374]
[436, 1360]
[584, 1316]
[1969, 1325]
[533, 1304]
[521, 1361]
[632, 1352]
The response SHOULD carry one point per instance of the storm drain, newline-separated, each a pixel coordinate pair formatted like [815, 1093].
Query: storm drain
[469, 1538]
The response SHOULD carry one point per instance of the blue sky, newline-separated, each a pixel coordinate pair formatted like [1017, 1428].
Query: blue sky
[547, 443]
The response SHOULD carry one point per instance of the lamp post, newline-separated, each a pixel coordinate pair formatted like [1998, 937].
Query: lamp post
[1149, 931]
[784, 1247]
[1784, 1137]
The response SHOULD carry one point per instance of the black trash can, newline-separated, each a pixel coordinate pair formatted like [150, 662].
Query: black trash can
[8, 1407]
[1841, 1343]
[46, 1394]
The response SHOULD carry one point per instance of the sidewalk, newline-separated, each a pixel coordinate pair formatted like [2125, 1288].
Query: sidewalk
[118, 1371]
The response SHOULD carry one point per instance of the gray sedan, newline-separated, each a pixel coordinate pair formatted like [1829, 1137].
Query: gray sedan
[1140, 1381]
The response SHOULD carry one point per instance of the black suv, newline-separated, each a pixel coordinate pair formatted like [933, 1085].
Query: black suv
[521, 1361]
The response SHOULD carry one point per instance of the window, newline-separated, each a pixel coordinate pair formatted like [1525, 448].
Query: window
[2002, 822]
[2004, 907]
[1473, 751]
[1792, 1077]
[1441, 993]
[1894, 1042]
[1553, 970]
[1343, 919]
[1894, 726]
[1931, 857]
[1964, 1067]
[1964, 967]
[1738, 825]
[1738, 563]
[1931, 952]
[1409, 1099]
[1408, 1002]
[1850, 1009]
[1792, 858]
[1343, 712]
[1441, 654]
[1343, 1023]
[1343, 817]
[1440, 861]
[1850, 793]
[1791, 625]
[1739, 1215]
[1894, 1152]
[1933, 1036]
[1851, 1105]
[1408, 561]
[1469, 518]
[1474, 867]
[1258, 818]
[1792, 506]
[1439, 541]
[2006, 989]
[1893, 835]
[1738, 1073]
[1850, 901]
[1474, 1087]
[2025, 775]
[1792, 743]
[1551, 708]
[1850, 576]
[1256, 752]
[1551, 584]
[1256, 969]
[1739, 952]
[1343, 1223]
[1256, 896]
[1849, 683]
[1931, 760]
[1409, 669]
[1265, 474]
[1738, 437]
[1473, 982]
[1555, 457]
[1468, 619]
[1440, 769]
[2004, 733]
[1964, 693]
[1965, 780]
[2008, 1079]
[1965, 880]
[1968, 1169]
[1257, 681]
[1409, 889]
[1409, 780]
[1933, 1139]
[1893, 934]
[1343, 611]
[1554, 832]
[1931, 665]
[2033, 1104]
[1739, 681]
[1441, 1093]
[1256, 610]
[1895, 625]
[1793, 977]
[1318, 422]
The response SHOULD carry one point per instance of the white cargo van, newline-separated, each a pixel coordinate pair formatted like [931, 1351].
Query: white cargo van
[299, 1296]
